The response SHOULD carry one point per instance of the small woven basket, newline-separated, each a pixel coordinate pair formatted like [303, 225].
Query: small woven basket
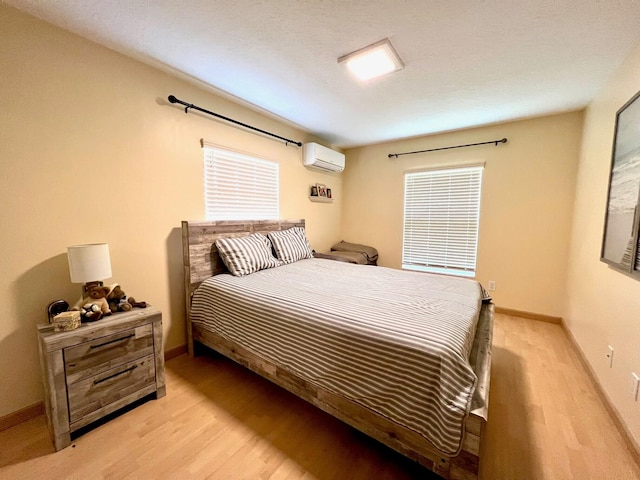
[66, 321]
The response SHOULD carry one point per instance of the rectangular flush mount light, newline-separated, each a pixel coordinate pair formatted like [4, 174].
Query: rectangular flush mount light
[373, 61]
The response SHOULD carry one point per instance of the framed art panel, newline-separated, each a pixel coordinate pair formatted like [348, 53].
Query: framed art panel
[620, 237]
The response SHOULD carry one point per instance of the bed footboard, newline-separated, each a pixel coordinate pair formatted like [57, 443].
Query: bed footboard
[465, 465]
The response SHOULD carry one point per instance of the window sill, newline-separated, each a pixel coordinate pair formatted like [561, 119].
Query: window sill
[442, 271]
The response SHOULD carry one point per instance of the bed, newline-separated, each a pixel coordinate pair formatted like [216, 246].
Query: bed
[317, 347]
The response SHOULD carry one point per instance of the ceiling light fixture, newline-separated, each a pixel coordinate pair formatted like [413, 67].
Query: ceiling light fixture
[373, 61]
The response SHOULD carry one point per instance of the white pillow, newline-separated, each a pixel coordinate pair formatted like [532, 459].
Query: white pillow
[245, 255]
[291, 245]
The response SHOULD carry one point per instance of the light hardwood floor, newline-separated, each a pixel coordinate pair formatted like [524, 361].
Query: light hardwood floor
[221, 421]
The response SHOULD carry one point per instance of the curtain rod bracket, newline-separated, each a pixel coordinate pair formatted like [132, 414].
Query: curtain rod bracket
[287, 141]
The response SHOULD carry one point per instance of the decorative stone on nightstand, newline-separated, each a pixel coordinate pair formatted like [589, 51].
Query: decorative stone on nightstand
[98, 368]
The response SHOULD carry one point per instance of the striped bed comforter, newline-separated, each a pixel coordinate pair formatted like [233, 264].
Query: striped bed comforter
[395, 342]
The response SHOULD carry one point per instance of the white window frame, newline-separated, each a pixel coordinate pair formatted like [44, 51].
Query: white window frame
[442, 220]
[239, 186]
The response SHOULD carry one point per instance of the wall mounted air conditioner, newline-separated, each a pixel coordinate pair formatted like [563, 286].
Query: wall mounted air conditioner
[322, 158]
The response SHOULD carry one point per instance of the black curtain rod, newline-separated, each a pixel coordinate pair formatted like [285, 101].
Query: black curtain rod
[173, 99]
[496, 142]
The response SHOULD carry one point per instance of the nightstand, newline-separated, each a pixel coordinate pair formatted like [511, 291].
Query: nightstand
[100, 367]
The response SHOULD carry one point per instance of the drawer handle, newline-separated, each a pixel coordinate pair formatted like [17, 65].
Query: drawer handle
[113, 341]
[130, 369]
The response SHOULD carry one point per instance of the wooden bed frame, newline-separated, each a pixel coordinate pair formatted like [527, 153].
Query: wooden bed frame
[201, 261]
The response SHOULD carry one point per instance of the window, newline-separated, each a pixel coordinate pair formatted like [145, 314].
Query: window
[441, 218]
[239, 186]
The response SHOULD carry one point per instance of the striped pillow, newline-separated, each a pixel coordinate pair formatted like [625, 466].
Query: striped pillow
[291, 245]
[246, 255]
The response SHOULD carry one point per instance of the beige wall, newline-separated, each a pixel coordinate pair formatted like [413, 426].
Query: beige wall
[526, 206]
[91, 151]
[603, 305]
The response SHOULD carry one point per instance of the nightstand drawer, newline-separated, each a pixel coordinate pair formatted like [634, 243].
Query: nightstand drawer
[91, 358]
[93, 393]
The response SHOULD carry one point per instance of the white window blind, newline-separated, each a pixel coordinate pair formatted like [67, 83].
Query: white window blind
[239, 186]
[441, 219]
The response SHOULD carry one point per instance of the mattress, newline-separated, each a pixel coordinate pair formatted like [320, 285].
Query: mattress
[395, 342]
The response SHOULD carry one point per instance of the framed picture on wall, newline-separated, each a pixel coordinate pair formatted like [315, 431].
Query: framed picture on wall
[322, 190]
[620, 236]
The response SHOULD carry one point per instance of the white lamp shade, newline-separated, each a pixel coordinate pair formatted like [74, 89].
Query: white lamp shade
[90, 262]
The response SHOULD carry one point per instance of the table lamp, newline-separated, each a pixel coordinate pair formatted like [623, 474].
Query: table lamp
[89, 263]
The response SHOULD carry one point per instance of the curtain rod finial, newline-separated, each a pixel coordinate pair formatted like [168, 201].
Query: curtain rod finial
[188, 106]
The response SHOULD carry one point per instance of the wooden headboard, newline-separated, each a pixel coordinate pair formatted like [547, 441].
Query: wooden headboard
[200, 256]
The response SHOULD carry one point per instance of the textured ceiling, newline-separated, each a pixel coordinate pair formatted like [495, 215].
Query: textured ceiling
[467, 62]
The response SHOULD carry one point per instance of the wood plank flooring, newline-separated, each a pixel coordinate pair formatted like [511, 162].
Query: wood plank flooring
[220, 421]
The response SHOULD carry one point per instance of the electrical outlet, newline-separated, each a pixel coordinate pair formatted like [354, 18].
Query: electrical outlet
[610, 355]
[491, 285]
[635, 386]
